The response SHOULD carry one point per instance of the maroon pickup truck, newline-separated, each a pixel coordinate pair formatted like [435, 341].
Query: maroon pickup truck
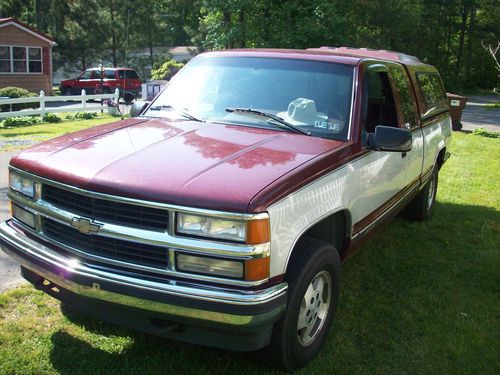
[221, 212]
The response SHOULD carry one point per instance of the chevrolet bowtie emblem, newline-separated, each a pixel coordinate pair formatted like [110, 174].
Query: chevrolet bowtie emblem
[84, 225]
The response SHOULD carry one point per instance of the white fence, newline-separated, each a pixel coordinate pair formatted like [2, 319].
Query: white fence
[42, 99]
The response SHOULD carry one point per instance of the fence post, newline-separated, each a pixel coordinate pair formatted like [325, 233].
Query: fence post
[42, 104]
[117, 95]
[84, 100]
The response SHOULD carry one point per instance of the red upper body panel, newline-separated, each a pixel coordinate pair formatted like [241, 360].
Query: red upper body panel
[212, 166]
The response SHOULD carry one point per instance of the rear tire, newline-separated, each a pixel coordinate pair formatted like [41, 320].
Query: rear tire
[66, 91]
[420, 208]
[313, 292]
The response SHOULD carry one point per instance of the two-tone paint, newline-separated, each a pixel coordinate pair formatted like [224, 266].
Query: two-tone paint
[229, 170]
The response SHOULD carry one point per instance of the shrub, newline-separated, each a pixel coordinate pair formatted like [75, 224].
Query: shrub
[85, 115]
[486, 133]
[12, 122]
[51, 117]
[14, 93]
[82, 116]
[167, 70]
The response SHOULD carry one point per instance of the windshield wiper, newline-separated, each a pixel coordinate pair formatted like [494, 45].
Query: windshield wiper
[254, 112]
[182, 112]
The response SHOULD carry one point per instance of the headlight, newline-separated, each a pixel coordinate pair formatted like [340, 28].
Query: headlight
[205, 226]
[248, 231]
[249, 269]
[210, 266]
[22, 185]
[23, 216]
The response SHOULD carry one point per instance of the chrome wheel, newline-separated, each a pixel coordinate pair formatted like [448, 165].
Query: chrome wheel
[431, 193]
[314, 308]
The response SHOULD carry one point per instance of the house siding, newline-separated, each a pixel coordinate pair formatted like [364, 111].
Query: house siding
[13, 36]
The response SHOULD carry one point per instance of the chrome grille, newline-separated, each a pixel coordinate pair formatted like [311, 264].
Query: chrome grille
[105, 210]
[126, 251]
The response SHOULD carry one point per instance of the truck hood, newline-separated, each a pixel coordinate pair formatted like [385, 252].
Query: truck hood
[205, 165]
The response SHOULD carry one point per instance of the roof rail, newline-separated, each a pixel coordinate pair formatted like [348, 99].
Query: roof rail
[370, 52]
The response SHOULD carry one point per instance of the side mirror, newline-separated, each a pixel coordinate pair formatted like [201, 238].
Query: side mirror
[388, 138]
[138, 107]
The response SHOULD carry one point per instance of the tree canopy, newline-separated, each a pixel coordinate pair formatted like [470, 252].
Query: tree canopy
[445, 33]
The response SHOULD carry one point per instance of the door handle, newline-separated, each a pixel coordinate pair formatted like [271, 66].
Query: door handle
[403, 155]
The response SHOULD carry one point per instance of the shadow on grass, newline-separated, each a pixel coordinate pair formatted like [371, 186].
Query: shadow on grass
[416, 296]
[15, 135]
[142, 353]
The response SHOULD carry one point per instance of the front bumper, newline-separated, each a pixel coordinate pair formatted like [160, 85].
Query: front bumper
[228, 318]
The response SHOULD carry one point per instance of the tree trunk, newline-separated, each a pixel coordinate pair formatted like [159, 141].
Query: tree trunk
[242, 28]
[227, 23]
[150, 35]
[470, 39]
[463, 26]
[113, 33]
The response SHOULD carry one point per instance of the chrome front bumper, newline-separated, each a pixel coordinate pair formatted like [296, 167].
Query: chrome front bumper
[230, 308]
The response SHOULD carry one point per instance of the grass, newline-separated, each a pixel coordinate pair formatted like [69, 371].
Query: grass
[21, 137]
[418, 298]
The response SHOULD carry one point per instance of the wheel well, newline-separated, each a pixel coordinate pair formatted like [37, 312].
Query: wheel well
[440, 158]
[332, 230]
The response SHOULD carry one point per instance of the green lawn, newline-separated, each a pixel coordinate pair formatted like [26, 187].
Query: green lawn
[19, 137]
[419, 298]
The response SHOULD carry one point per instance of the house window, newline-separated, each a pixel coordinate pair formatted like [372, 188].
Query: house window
[5, 59]
[18, 59]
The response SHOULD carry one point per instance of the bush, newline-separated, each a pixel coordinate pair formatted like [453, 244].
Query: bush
[167, 70]
[14, 93]
[12, 122]
[51, 117]
[486, 133]
[82, 116]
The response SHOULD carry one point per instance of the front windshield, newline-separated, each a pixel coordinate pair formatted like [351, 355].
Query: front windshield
[312, 95]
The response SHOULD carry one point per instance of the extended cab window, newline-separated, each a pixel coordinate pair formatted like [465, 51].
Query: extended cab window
[432, 88]
[380, 107]
[403, 86]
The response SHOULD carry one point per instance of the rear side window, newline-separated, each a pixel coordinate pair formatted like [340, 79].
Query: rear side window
[109, 74]
[127, 74]
[432, 88]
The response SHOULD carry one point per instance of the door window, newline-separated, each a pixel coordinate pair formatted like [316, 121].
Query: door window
[86, 74]
[408, 110]
[380, 109]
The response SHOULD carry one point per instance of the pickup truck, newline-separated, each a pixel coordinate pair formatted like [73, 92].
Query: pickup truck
[219, 214]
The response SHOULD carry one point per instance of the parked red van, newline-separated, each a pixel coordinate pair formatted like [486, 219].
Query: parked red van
[125, 79]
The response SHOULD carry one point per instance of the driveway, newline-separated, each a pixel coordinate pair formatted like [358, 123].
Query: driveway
[475, 115]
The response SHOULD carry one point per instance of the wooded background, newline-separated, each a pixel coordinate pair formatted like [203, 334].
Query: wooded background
[445, 33]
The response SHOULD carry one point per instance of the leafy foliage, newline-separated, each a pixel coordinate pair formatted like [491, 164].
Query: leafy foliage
[486, 133]
[51, 117]
[446, 33]
[14, 122]
[82, 116]
[166, 70]
[14, 93]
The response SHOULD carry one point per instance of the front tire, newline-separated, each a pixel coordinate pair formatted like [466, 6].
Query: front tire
[313, 292]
